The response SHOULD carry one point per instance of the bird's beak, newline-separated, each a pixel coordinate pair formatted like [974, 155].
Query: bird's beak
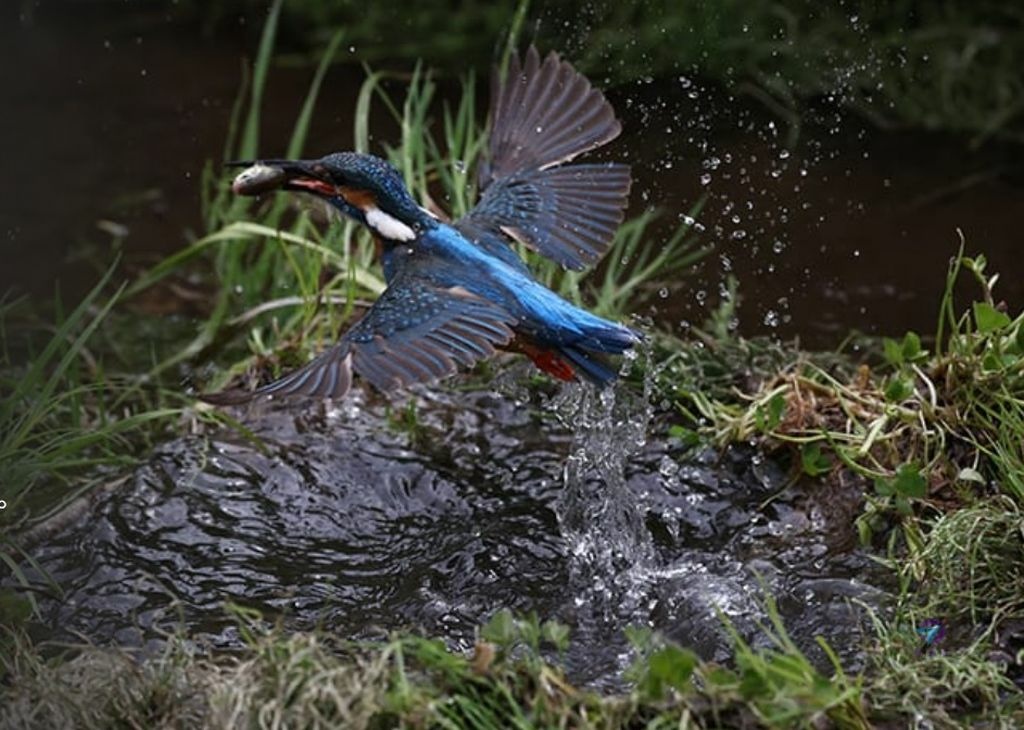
[263, 176]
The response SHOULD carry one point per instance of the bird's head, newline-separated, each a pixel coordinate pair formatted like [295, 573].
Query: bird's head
[364, 187]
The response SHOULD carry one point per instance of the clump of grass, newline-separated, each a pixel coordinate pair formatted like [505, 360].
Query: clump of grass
[917, 425]
[962, 571]
[315, 680]
[301, 681]
[971, 568]
[63, 414]
[774, 687]
[513, 677]
[94, 688]
[917, 687]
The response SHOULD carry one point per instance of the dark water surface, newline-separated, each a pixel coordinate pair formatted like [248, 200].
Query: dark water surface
[345, 522]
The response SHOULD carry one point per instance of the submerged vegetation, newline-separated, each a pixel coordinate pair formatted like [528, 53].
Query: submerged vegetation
[931, 425]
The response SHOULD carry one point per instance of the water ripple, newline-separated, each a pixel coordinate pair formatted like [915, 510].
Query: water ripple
[565, 508]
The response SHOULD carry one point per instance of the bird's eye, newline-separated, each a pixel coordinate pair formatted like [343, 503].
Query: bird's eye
[321, 171]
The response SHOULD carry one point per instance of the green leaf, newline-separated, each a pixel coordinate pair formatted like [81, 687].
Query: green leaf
[15, 609]
[768, 415]
[1019, 338]
[898, 389]
[884, 487]
[864, 531]
[720, 677]
[988, 318]
[670, 666]
[687, 436]
[753, 684]
[529, 631]
[640, 637]
[991, 362]
[813, 461]
[909, 482]
[893, 351]
[557, 634]
[911, 348]
[501, 629]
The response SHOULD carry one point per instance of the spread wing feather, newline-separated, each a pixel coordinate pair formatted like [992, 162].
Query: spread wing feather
[416, 332]
[543, 115]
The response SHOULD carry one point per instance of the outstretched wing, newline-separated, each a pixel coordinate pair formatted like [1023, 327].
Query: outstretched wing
[415, 332]
[543, 115]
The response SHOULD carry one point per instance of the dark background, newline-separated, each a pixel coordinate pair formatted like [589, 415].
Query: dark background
[839, 175]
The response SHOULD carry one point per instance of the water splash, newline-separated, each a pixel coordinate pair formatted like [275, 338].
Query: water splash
[598, 514]
[601, 519]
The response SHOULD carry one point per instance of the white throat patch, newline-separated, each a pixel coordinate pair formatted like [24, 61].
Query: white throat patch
[387, 225]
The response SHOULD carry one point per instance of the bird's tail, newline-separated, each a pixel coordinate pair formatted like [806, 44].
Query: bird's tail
[585, 357]
[593, 366]
[572, 339]
[601, 338]
[588, 355]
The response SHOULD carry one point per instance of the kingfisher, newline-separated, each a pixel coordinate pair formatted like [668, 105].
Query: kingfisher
[458, 292]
